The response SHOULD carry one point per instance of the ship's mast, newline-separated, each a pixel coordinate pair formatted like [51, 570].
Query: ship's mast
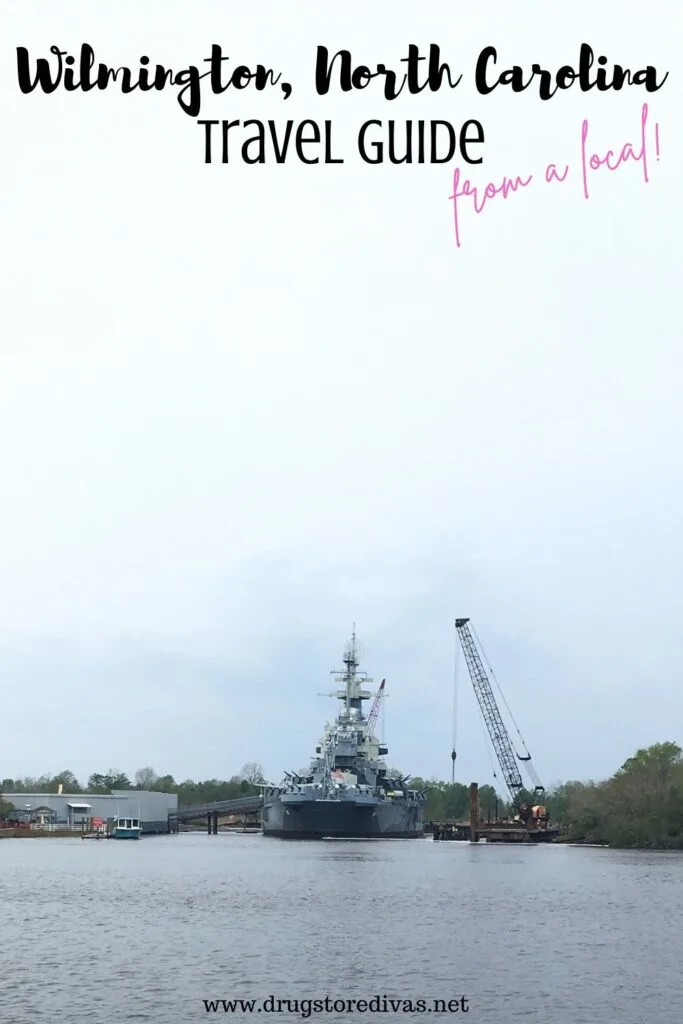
[353, 693]
[351, 664]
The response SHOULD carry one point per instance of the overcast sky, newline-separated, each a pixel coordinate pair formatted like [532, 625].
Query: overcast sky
[243, 407]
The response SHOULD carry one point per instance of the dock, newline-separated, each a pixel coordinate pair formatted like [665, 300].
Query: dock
[244, 816]
[243, 813]
[494, 832]
[501, 831]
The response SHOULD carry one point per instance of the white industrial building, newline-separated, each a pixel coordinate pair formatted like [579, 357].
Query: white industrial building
[77, 810]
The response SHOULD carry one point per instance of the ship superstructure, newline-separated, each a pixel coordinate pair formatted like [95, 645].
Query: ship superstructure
[348, 791]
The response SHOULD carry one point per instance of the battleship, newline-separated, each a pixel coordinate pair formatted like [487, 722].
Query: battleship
[347, 792]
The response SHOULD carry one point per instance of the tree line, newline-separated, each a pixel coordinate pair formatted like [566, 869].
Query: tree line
[451, 800]
[639, 807]
[189, 792]
[444, 800]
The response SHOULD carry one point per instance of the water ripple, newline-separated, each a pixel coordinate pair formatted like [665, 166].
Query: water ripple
[146, 931]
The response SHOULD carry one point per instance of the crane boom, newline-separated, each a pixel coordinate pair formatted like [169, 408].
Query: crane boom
[491, 714]
[374, 710]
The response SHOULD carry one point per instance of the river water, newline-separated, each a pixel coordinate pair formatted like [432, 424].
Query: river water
[110, 931]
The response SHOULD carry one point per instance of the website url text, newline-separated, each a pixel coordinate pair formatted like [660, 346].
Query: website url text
[306, 1007]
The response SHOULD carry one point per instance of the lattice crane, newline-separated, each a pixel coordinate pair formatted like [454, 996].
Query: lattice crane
[374, 710]
[502, 745]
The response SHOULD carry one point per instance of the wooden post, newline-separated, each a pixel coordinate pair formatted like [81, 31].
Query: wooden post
[474, 811]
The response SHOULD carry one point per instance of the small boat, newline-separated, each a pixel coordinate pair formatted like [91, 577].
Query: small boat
[125, 828]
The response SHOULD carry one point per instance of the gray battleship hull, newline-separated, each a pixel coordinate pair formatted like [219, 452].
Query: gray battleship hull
[343, 819]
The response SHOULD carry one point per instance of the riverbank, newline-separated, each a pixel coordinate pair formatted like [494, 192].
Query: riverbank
[36, 833]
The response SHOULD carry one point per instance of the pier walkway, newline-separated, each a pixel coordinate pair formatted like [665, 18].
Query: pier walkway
[246, 806]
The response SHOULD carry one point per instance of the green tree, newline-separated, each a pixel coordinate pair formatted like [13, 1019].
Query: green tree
[489, 801]
[118, 780]
[164, 784]
[641, 806]
[656, 763]
[67, 780]
[6, 806]
[98, 783]
[212, 790]
[561, 798]
[30, 784]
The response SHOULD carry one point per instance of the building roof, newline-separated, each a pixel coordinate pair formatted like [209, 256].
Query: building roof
[116, 794]
[69, 797]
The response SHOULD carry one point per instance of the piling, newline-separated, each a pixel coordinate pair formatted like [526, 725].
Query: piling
[474, 812]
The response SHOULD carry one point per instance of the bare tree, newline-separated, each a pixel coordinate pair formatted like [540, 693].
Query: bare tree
[145, 777]
[252, 772]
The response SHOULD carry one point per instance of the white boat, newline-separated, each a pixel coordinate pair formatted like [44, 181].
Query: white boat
[125, 828]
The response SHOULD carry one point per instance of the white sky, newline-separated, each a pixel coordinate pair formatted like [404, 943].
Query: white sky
[241, 407]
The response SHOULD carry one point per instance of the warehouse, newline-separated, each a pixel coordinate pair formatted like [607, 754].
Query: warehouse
[77, 810]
